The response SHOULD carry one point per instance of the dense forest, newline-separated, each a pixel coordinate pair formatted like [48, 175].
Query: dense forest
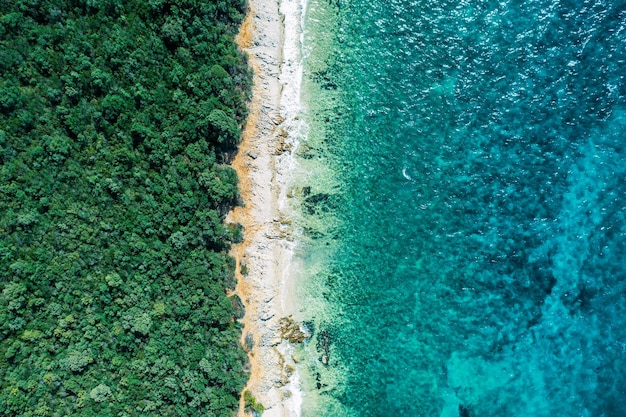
[117, 121]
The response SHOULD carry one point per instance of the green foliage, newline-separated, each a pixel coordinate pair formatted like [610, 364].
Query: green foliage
[113, 252]
[251, 404]
[224, 125]
[100, 393]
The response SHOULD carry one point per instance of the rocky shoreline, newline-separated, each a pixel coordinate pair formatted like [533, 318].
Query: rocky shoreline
[263, 164]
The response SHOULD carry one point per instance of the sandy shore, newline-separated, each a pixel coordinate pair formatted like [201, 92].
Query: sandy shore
[271, 37]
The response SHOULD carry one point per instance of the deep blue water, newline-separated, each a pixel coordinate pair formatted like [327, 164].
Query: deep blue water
[479, 262]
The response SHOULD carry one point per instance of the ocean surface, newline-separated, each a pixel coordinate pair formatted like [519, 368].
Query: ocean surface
[462, 197]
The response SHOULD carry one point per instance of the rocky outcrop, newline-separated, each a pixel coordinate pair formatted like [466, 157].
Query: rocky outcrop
[292, 331]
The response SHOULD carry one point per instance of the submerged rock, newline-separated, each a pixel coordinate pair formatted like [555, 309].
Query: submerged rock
[323, 344]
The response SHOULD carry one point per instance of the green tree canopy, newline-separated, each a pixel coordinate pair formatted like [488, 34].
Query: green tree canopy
[117, 120]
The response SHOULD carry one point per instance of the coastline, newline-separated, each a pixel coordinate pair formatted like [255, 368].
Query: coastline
[271, 36]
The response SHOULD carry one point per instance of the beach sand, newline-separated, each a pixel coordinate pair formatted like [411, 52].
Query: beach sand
[271, 37]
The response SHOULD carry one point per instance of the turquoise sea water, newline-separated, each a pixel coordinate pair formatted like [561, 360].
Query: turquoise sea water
[464, 208]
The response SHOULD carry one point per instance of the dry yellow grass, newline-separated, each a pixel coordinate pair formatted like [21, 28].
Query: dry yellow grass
[246, 30]
[242, 214]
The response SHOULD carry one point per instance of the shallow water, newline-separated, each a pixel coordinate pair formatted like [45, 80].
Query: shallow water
[463, 197]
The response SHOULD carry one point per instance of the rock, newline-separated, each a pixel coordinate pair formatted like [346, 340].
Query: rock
[323, 344]
[292, 331]
[278, 120]
[281, 142]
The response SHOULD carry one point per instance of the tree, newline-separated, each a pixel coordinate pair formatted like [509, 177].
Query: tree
[100, 393]
[113, 252]
[224, 126]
